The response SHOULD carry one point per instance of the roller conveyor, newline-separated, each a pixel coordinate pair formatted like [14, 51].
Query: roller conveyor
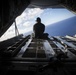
[31, 53]
[67, 43]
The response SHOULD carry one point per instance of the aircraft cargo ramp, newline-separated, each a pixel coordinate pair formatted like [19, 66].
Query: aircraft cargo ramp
[54, 56]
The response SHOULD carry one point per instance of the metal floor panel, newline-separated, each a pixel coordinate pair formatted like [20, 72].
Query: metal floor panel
[57, 54]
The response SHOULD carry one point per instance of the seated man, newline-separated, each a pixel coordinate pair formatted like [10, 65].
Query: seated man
[39, 29]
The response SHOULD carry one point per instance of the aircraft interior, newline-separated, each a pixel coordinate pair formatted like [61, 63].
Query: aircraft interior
[54, 55]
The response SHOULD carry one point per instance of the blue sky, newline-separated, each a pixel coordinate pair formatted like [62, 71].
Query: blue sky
[26, 20]
[50, 16]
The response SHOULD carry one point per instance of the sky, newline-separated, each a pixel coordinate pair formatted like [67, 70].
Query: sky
[27, 19]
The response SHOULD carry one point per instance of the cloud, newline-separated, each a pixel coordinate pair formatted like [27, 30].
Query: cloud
[25, 30]
[31, 13]
[28, 14]
[26, 20]
[27, 24]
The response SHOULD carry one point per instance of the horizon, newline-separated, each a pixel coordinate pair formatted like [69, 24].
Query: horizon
[27, 19]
